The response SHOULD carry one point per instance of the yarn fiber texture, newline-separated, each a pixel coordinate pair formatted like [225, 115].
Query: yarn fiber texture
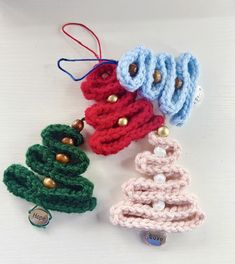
[109, 137]
[73, 193]
[181, 212]
[173, 102]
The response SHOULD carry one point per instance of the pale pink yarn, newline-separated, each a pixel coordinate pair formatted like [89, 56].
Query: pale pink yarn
[181, 212]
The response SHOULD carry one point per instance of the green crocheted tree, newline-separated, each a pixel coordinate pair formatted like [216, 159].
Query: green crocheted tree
[56, 183]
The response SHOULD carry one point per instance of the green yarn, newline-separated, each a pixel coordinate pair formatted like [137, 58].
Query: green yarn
[73, 193]
[52, 135]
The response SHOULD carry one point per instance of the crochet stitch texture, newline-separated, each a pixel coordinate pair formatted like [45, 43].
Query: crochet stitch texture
[176, 103]
[181, 212]
[73, 193]
[109, 137]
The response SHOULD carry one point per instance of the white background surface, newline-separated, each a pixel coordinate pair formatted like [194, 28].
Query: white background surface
[34, 93]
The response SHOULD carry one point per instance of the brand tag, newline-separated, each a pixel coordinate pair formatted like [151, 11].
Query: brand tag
[199, 95]
[39, 216]
[154, 238]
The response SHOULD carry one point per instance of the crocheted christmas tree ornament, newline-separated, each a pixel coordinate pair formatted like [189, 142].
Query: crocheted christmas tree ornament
[170, 82]
[118, 117]
[159, 201]
[56, 183]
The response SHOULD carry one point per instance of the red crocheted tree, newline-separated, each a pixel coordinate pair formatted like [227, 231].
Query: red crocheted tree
[118, 117]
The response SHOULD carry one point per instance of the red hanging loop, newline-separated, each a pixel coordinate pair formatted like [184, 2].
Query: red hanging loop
[98, 56]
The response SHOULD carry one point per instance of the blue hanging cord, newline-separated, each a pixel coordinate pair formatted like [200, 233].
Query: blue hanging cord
[102, 62]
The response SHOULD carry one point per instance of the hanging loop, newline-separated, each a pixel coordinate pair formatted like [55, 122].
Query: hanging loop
[99, 55]
[101, 62]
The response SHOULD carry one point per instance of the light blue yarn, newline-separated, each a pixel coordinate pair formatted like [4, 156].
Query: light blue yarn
[176, 103]
[140, 56]
[187, 68]
[165, 63]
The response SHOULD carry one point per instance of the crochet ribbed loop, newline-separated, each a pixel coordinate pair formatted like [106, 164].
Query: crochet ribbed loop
[176, 179]
[134, 215]
[164, 63]
[147, 161]
[24, 183]
[174, 102]
[103, 115]
[111, 140]
[180, 211]
[101, 83]
[187, 69]
[139, 56]
[41, 159]
[53, 134]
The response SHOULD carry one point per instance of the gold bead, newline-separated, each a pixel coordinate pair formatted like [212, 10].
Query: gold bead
[62, 158]
[112, 98]
[178, 83]
[133, 69]
[49, 183]
[67, 140]
[104, 75]
[163, 131]
[157, 76]
[78, 125]
[123, 121]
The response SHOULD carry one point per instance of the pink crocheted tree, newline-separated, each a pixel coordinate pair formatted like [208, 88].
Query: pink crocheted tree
[159, 201]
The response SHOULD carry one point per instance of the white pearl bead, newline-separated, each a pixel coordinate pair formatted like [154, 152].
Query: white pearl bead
[159, 206]
[159, 178]
[160, 152]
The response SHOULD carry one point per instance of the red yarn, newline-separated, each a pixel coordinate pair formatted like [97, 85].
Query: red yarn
[98, 56]
[101, 83]
[109, 137]
[113, 140]
[105, 115]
